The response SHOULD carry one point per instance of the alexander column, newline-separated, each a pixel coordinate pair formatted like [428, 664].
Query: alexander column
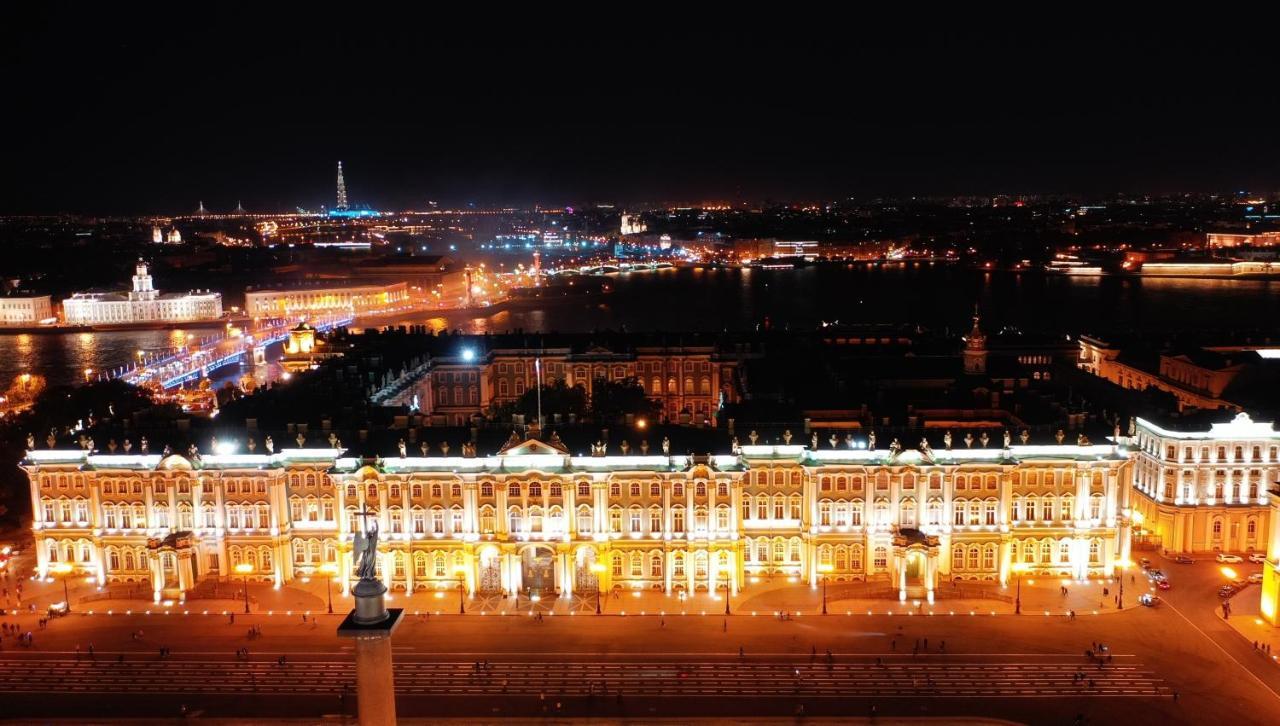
[370, 623]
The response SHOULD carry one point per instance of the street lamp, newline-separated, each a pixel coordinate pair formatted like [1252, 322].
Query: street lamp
[823, 569]
[598, 569]
[63, 570]
[245, 569]
[1122, 565]
[329, 569]
[461, 572]
[1018, 569]
[726, 597]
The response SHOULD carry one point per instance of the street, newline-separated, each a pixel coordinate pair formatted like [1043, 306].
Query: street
[1022, 668]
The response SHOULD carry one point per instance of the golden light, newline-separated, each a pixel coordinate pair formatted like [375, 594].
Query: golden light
[1228, 573]
[1138, 518]
[641, 423]
[244, 568]
[597, 568]
[1123, 564]
[61, 568]
[460, 571]
[329, 568]
[1020, 567]
[825, 568]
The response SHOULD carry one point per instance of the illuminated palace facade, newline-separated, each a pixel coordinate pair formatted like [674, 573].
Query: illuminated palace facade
[1206, 491]
[533, 518]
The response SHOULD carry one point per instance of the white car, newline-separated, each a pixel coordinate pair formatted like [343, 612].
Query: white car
[1229, 558]
[1256, 578]
[1257, 558]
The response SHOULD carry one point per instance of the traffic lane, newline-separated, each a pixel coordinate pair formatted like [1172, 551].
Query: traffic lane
[932, 677]
[1207, 680]
[1193, 598]
[936, 685]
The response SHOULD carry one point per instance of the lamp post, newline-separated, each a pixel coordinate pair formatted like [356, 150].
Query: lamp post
[63, 570]
[822, 572]
[1018, 569]
[726, 597]
[461, 573]
[1122, 565]
[245, 569]
[329, 569]
[598, 569]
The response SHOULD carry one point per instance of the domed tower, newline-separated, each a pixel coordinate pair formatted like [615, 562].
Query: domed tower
[975, 348]
[142, 287]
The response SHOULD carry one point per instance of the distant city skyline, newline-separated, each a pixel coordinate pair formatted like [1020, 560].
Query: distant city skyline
[152, 114]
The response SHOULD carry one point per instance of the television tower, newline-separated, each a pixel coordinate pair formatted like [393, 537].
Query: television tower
[202, 211]
[342, 190]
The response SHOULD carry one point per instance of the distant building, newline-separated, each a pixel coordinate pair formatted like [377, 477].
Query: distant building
[326, 300]
[1227, 240]
[160, 237]
[25, 309]
[142, 304]
[1198, 378]
[632, 224]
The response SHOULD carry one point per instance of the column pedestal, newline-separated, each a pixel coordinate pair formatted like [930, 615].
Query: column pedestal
[375, 682]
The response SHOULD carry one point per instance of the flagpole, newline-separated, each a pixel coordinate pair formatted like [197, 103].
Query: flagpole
[537, 367]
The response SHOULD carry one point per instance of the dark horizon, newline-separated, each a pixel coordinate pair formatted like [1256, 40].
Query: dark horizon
[140, 115]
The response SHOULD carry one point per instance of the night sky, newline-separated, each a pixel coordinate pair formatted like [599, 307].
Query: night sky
[151, 113]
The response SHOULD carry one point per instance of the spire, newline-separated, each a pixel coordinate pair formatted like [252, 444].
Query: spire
[202, 211]
[975, 347]
[342, 190]
[239, 207]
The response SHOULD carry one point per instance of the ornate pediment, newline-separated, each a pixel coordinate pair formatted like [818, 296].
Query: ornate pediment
[174, 462]
[531, 447]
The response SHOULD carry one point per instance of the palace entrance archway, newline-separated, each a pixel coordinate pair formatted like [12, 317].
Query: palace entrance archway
[537, 569]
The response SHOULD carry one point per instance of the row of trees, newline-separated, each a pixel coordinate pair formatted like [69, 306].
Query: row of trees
[608, 401]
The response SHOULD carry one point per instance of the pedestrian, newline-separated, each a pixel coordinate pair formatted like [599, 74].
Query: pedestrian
[893, 644]
[91, 656]
[1175, 696]
[662, 623]
[926, 643]
[233, 618]
[942, 647]
[726, 625]
[741, 652]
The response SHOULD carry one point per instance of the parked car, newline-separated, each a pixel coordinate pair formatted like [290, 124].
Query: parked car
[1156, 575]
[1148, 600]
[1223, 557]
[1163, 584]
[1184, 560]
[1145, 563]
[1257, 558]
[1256, 578]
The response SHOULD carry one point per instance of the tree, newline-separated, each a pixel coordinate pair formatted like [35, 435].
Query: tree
[557, 398]
[611, 400]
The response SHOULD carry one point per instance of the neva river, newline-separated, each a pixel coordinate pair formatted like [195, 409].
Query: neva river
[938, 296]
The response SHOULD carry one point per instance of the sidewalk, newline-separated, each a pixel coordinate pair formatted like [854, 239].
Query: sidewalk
[1247, 621]
[1042, 597]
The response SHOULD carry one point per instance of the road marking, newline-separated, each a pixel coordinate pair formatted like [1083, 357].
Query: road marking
[634, 657]
[1252, 675]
